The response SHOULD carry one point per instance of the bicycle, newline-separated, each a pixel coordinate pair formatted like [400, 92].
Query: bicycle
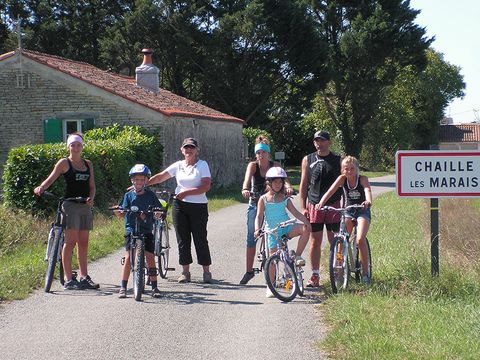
[137, 250]
[287, 280]
[344, 257]
[56, 239]
[160, 231]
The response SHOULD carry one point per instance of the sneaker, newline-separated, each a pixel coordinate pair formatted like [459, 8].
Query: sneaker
[247, 277]
[122, 293]
[87, 283]
[72, 284]
[314, 281]
[207, 277]
[366, 280]
[184, 278]
[299, 261]
[156, 293]
[269, 293]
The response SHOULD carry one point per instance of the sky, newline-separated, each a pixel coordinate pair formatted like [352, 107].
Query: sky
[456, 27]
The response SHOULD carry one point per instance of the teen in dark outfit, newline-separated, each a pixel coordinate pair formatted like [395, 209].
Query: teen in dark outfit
[78, 175]
[253, 187]
[319, 171]
[356, 189]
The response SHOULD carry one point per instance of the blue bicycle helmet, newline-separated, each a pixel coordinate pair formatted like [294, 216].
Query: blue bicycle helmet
[140, 169]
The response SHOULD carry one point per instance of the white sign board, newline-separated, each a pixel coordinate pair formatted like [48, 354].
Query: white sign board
[279, 155]
[433, 174]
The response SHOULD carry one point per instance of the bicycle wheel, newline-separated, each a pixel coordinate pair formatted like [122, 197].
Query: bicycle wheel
[138, 270]
[53, 246]
[281, 278]
[161, 235]
[338, 265]
[301, 287]
[61, 273]
[358, 264]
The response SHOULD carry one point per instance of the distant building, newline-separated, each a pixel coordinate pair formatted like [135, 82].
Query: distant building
[459, 137]
[43, 98]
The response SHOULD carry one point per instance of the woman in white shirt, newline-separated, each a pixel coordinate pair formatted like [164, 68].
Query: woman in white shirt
[190, 210]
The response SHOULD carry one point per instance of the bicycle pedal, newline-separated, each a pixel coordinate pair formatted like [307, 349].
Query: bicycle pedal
[256, 270]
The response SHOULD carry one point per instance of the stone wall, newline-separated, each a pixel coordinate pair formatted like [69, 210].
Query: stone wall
[47, 93]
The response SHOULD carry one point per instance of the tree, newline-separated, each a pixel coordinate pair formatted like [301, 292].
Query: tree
[368, 42]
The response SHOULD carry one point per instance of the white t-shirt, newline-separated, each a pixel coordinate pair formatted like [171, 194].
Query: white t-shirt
[189, 177]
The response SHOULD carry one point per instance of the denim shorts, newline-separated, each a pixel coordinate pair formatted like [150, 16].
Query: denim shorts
[272, 240]
[359, 213]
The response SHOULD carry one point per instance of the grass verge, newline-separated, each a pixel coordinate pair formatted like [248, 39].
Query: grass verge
[406, 313]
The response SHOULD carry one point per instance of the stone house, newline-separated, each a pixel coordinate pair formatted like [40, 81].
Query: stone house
[43, 98]
[459, 137]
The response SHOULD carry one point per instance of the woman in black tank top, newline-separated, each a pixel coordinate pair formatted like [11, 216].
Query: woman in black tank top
[80, 182]
[253, 187]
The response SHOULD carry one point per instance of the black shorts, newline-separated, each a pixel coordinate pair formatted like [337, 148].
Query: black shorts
[149, 242]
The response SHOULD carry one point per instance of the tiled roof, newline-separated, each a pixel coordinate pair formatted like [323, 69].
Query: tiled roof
[460, 133]
[164, 101]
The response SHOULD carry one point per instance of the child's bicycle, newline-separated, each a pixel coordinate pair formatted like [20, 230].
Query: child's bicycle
[137, 250]
[345, 255]
[160, 231]
[284, 278]
[56, 238]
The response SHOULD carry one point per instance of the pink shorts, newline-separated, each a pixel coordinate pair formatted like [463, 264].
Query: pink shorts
[323, 217]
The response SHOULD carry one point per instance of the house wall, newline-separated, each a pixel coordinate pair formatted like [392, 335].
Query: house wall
[459, 146]
[48, 93]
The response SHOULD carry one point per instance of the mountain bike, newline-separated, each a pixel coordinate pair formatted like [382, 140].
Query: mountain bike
[56, 238]
[160, 231]
[137, 249]
[284, 278]
[345, 255]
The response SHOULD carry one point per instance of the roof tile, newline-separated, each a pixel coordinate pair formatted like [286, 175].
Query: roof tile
[460, 133]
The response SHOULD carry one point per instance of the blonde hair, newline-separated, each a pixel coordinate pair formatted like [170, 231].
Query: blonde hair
[350, 160]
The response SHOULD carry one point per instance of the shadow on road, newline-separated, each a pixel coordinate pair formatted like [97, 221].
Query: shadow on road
[382, 184]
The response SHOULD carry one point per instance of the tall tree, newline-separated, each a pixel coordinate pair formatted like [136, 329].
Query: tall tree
[368, 41]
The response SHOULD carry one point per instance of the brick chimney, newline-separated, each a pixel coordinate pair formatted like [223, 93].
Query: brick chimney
[146, 75]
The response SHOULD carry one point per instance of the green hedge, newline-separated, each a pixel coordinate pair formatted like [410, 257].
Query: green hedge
[112, 150]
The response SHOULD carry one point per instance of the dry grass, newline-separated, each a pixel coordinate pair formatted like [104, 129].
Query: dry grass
[459, 233]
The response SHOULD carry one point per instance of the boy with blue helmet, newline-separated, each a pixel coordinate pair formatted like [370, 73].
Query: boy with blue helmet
[143, 198]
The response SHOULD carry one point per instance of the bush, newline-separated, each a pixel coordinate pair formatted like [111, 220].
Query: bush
[112, 150]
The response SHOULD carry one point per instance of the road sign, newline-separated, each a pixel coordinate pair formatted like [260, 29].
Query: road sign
[434, 174]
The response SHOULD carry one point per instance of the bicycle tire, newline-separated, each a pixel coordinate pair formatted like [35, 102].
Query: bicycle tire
[358, 264]
[52, 258]
[301, 285]
[138, 269]
[163, 257]
[338, 266]
[285, 284]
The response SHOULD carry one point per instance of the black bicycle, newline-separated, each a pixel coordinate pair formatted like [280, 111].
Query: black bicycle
[56, 238]
[137, 249]
[160, 231]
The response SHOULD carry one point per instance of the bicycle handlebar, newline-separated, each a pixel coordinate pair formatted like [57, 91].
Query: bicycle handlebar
[135, 209]
[341, 210]
[77, 199]
[275, 229]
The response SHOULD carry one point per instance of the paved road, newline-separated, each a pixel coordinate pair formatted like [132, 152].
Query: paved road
[191, 321]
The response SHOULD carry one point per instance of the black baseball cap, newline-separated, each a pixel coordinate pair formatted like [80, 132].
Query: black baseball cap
[322, 135]
[190, 141]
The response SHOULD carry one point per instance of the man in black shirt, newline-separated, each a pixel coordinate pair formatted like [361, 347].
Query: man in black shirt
[319, 171]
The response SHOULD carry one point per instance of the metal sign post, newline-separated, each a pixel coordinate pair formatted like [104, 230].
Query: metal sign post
[436, 174]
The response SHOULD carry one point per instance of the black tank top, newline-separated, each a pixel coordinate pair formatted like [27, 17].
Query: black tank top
[322, 173]
[78, 182]
[354, 195]
[258, 181]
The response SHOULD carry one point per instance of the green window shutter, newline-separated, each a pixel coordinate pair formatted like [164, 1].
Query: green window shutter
[87, 124]
[52, 131]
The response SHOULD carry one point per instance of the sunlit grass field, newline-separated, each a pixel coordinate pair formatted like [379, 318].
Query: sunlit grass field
[406, 313]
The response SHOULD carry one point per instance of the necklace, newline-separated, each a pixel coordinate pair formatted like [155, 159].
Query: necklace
[356, 183]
